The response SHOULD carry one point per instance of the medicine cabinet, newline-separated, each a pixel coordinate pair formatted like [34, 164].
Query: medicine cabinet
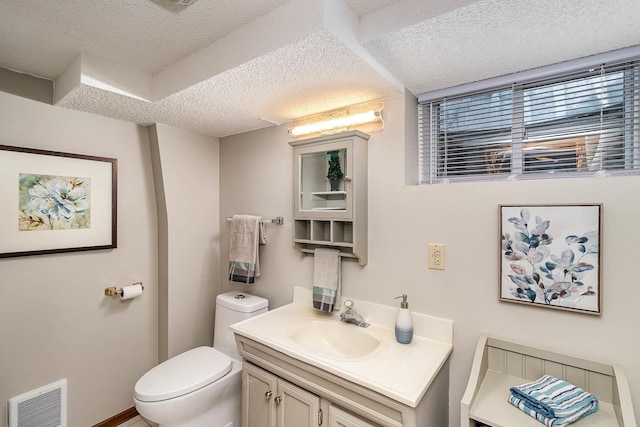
[326, 216]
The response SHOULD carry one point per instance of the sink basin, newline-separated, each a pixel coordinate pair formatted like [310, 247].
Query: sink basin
[333, 338]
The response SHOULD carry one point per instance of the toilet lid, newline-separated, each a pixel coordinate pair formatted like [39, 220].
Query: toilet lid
[182, 374]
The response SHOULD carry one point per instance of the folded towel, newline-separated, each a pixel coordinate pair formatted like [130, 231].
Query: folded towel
[247, 231]
[326, 279]
[552, 401]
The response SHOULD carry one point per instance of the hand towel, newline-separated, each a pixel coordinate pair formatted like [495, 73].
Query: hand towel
[247, 232]
[553, 402]
[326, 278]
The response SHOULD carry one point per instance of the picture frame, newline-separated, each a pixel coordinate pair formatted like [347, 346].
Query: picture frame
[550, 256]
[56, 202]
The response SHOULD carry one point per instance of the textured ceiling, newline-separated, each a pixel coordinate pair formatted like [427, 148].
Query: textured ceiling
[221, 67]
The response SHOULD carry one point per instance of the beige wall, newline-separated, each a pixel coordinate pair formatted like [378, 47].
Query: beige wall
[186, 174]
[56, 321]
[64, 325]
[256, 178]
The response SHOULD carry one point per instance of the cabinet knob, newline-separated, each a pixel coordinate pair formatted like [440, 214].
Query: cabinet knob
[268, 394]
[278, 399]
[347, 178]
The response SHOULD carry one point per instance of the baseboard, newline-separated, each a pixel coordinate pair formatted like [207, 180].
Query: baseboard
[120, 418]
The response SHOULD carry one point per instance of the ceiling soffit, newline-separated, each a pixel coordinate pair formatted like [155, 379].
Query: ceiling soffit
[249, 70]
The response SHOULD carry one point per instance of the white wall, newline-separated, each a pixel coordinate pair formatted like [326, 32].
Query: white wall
[256, 178]
[56, 321]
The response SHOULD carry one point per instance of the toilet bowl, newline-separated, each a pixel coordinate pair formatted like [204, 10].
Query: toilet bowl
[201, 387]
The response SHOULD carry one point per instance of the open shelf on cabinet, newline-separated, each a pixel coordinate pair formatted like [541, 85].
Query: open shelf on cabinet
[324, 231]
[499, 365]
[310, 234]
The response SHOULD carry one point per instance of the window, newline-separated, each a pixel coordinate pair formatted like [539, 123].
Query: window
[579, 123]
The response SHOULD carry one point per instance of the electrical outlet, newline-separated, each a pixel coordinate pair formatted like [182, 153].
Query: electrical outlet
[436, 256]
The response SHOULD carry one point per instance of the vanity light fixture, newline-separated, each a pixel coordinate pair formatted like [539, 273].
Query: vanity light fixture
[364, 117]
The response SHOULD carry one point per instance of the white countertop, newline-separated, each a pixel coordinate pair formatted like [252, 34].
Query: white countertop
[402, 372]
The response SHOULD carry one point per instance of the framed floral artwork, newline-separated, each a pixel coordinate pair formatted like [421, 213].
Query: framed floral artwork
[56, 202]
[550, 256]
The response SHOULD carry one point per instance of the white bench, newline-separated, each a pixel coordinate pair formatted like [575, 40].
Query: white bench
[499, 365]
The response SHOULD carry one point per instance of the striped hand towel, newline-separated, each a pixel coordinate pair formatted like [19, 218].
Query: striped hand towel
[247, 233]
[553, 402]
[326, 279]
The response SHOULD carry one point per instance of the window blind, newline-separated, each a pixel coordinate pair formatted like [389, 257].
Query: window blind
[578, 123]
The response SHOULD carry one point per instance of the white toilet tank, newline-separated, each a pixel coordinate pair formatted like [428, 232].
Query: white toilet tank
[232, 307]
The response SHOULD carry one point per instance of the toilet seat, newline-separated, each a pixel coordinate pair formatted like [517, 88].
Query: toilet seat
[182, 374]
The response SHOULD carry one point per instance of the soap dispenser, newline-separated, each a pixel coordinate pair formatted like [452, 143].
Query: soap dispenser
[404, 322]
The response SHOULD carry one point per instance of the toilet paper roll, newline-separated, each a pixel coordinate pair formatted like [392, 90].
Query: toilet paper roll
[129, 292]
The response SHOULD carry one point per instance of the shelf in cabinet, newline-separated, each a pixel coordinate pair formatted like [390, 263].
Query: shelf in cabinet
[329, 193]
[329, 208]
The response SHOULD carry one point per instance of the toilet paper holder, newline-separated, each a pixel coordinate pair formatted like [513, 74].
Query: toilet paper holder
[112, 291]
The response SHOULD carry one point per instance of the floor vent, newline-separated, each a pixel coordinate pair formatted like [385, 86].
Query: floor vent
[42, 407]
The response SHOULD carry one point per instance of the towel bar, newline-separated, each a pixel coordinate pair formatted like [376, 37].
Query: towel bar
[277, 220]
[342, 254]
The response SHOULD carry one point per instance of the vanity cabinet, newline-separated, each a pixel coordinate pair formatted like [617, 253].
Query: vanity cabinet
[325, 216]
[341, 418]
[270, 401]
[300, 386]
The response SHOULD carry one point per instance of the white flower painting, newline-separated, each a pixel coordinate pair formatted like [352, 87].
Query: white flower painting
[53, 202]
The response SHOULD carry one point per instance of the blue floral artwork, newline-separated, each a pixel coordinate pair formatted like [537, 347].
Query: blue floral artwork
[550, 256]
[53, 202]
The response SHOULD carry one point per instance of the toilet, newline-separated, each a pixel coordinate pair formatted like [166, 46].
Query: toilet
[201, 387]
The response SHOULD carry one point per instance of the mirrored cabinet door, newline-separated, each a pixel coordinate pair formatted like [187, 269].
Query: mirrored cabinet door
[320, 189]
[324, 181]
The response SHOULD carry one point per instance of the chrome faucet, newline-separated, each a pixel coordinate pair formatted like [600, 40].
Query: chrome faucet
[349, 315]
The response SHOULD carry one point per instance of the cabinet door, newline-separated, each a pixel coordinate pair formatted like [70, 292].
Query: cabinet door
[314, 196]
[296, 407]
[341, 418]
[259, 389]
